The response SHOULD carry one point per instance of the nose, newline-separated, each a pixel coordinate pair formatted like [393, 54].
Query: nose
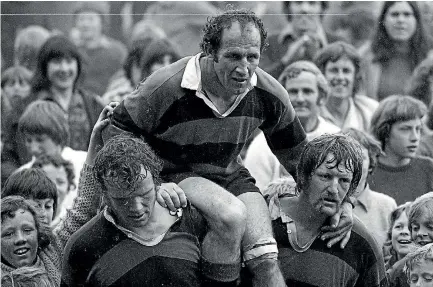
[63, 64]
[334, 186]
[242, 67]
[34, 148]
[135, 204]
[415, 135]
[405, 231]
[299, 96]
[305, 6]
[20, 239]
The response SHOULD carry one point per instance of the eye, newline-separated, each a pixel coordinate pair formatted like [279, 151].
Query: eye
[395, 14]
[345, 180]
[415, 227]
[7, 234]
[28, 230]
[407, 14]
[325, 176]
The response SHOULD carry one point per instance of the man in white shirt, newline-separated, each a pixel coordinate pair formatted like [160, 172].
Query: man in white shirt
[308, 91]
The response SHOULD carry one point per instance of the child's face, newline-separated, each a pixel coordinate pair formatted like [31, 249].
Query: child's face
[400, 236]
[16, 88]
[60, 178]
[421, 274]
[41, 144]
[45, 208]
[404, 139]
[422, 228]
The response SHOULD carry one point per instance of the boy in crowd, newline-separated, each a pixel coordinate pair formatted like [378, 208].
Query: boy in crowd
[419, 267]
[33, 184]
[400, 173]
[61, 172]
[46, 132]
[372, 208]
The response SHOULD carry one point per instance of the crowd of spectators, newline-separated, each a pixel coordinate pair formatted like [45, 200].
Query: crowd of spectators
[160, 143]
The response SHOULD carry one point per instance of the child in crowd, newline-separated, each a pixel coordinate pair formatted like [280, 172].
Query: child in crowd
[399, 243]
[421, 233]
[61, 172]
[400, 173]
[27, 277]
[46, 132]
[15, 91]
[372, 208]
[419, 267]
[34, 185]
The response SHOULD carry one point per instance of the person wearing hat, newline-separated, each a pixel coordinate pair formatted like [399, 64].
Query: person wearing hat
[103, 56]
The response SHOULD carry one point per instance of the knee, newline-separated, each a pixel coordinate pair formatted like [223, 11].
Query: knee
[233, 219]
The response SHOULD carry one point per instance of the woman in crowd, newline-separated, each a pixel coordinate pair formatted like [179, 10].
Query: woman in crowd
[143, 59]
[400, 43]
[56, 79]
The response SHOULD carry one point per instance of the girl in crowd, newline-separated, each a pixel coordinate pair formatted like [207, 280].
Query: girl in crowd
[56, 79]
[399, 44]
[399, 242]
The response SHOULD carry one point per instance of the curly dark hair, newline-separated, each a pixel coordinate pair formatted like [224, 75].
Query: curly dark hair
[57, 161]
[421, 81]
[119, 162]
[383, 47]
[345, 150]
[215, 25]
[9, 206]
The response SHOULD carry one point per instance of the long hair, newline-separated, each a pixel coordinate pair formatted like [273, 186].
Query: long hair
[54, 48]
[421, 81]
[393, 109]
[383, 47]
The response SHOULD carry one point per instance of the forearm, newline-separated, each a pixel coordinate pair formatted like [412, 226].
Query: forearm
[85, 206]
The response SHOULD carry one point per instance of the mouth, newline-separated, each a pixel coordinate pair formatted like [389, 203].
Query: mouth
[137, 217]
[404, 241]
[240, 80]
[422, 243]
[21, 251]
[412, 148]
[330, 200]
